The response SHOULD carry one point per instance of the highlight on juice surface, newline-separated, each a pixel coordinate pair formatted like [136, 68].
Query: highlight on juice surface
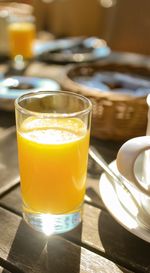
[21, 33]
[53, 131]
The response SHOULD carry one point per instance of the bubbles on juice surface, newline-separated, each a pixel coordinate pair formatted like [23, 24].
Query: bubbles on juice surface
[53, 131]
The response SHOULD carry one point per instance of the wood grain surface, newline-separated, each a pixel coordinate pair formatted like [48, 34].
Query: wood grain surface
[100, 234]
[24, 250]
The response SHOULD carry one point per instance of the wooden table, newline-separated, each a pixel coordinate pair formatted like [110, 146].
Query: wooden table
[99, 244]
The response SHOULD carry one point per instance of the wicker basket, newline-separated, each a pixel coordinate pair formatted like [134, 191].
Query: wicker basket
[116, 116]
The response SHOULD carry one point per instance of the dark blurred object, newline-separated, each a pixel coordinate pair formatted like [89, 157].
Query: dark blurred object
[73, 50]
[117, 115]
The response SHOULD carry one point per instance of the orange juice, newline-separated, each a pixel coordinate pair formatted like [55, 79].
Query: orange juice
[53, 156]
[21, 36]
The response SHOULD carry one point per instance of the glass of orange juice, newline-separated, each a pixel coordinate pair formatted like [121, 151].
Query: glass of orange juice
[53, 131]
[21, 34]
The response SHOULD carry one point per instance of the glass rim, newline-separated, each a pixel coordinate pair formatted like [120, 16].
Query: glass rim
[53, 115]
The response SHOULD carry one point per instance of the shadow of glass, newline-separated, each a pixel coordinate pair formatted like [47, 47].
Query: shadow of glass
[33, 252]
[26, 249]
[62, 256]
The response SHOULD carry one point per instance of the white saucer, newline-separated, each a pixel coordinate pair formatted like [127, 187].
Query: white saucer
[124, 211]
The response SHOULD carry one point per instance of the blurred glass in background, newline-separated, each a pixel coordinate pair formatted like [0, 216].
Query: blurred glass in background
[21, 35]
[17, 32]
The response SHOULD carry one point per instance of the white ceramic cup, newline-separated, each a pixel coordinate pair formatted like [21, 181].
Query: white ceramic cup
[128, 154]
[126, 161]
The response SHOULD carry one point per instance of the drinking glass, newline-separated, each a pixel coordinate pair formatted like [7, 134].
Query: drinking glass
[53, 131]
[21, 34]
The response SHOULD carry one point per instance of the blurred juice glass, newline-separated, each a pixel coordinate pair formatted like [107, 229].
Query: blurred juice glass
[21, 37]
[53, 143]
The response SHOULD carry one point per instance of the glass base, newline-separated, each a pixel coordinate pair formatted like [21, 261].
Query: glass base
[53, 224]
